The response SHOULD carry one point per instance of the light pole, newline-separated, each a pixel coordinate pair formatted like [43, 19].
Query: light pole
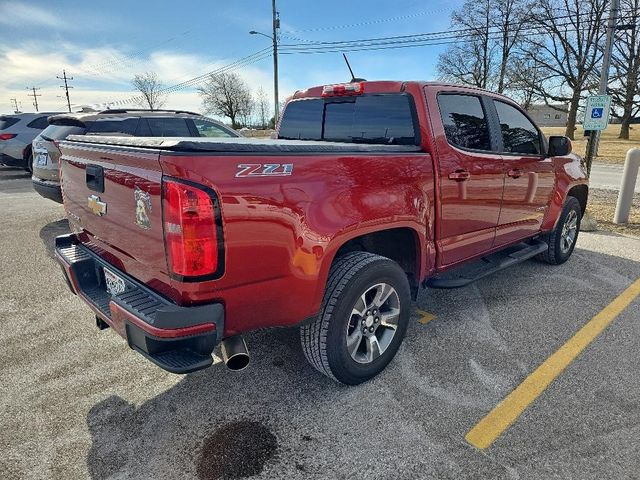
[274, 39]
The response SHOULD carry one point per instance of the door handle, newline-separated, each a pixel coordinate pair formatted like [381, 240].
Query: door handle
[459, 175]
[514, 173]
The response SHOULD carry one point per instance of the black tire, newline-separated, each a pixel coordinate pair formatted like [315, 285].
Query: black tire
[556, 254]
[29, 164]
[324, 341]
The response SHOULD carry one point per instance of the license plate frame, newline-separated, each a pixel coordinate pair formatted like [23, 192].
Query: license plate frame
[114, 283]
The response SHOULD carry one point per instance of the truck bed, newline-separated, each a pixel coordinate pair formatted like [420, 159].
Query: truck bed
[242, 145]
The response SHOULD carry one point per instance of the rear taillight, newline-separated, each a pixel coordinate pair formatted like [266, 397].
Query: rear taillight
[7, 136]
[191, 230]
[343, 89]
[56, 143]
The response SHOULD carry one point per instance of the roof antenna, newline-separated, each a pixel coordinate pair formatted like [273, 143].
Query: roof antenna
[353, 77]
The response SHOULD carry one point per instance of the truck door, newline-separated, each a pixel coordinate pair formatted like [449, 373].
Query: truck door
[529, 176]
[471, 177]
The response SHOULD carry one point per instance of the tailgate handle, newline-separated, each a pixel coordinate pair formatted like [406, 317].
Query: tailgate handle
[95, 178]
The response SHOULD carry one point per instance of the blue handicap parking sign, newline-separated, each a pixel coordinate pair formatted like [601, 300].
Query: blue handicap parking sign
[597, 113]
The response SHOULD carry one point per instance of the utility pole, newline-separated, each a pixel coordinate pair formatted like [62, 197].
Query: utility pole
[66, 87]
[594, 137]
[34, 95]
[276, 27]
[14, 103]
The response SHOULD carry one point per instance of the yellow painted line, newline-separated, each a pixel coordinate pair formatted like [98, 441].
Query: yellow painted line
[508, 410]
[425, 317]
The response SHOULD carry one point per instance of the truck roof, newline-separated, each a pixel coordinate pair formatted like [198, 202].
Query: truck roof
[241, 145]
[388, 86]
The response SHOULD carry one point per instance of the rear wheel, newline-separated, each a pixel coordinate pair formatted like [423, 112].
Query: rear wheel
[29, 165]
[562, 240]
[362, 321]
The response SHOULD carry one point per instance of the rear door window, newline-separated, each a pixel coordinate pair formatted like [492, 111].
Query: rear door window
[519, 135]
[39, 123]
[386, 119]
[169, 127]
[205, 128]
[113, 126]
[6, 122]
[464, 120]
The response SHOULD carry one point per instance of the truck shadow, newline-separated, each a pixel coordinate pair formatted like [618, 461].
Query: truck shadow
[280, 416]
[50, 231]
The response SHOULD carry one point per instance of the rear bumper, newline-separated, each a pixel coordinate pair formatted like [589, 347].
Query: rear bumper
[177, 339]
[49, 190]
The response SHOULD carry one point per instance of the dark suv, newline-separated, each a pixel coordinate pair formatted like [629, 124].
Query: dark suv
[126, 123]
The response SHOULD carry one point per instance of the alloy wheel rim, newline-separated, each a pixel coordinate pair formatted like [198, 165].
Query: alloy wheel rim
[373, 323]
[569, 232]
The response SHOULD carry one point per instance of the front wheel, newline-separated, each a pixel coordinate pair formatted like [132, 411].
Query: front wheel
[562, 240]
[362, 321]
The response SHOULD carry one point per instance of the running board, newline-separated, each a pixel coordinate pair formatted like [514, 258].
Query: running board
[468, 273]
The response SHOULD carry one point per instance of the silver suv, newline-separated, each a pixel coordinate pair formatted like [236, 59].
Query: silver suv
[121, 123]
[16, 134]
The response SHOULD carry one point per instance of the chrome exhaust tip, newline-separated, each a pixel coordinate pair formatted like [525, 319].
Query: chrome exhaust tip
[235, 353]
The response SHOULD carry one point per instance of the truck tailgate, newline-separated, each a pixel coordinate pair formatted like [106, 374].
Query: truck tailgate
[112, 196]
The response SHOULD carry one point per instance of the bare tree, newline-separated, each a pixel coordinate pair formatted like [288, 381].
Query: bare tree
[471, 61]
[567, 52]
[490, 31]
[625, 60]
[262, 104]
[151, 89]
[522, 76]
[226, 94]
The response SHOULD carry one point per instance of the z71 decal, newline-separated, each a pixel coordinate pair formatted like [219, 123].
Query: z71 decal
[264, 170]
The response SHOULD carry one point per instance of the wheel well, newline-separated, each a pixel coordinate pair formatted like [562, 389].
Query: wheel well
[397, 244]
[581, 193]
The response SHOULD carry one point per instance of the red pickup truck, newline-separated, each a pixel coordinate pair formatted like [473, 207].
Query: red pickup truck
[370, 191]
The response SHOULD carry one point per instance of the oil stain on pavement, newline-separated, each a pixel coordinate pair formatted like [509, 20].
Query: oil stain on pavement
[236, 450]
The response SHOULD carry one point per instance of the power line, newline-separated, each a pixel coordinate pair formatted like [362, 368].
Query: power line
[34, 95]
[242, 62]
[66, 87]
[406, 41]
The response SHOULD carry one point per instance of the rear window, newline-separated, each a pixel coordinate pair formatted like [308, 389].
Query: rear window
[39, 123]
[376, 119]
[60, 132]
[113, 126]
[6, 122]
[169, 127]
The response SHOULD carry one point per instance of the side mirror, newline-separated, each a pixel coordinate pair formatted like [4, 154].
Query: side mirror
[559, 146]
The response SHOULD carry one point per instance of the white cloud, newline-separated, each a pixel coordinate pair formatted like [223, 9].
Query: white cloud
[104, 74]
[20, 14]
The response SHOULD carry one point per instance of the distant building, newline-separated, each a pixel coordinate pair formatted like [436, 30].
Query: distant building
[546, 116]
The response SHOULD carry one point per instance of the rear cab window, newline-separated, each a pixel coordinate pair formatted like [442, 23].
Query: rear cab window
[6, 122]
[465, 122]
[382, 119]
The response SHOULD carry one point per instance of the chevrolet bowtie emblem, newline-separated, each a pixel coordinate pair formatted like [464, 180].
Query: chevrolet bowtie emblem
[96, 206]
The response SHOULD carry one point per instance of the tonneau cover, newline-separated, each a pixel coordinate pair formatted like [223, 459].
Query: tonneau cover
[241, 145]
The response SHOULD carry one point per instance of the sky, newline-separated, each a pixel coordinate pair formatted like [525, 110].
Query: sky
[102, 45]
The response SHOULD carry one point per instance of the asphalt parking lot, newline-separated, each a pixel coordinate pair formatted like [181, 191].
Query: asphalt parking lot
[75, 402]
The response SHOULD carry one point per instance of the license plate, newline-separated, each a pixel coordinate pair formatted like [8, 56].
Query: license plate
[115, 284]
[41, 159]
